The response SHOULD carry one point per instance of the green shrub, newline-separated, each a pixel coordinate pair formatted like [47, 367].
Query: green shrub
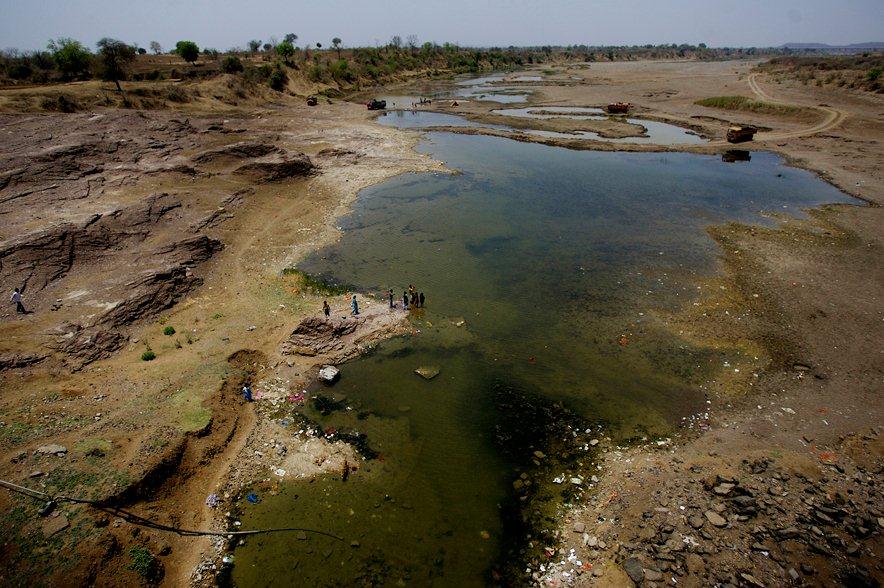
[20, 71]
[187, 50]
[285, 50]
[277, 80]
[169, 331]
[72, 59]
[231, 64]
[315, 73]
[148, 355]
[143, 562]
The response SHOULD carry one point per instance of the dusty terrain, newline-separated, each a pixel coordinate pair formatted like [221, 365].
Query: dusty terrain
[122, 223]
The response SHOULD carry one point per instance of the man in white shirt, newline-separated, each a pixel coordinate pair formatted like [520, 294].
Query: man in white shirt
[16, 297]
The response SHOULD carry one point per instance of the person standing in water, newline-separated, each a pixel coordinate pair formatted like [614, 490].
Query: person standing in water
[405, 301]
[354, 306]
[326, 309]
[390, 293]
[16, 298]
[420, 299]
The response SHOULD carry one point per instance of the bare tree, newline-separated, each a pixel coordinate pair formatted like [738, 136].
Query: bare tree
[411, 41]
[156, 47]
[396, 41]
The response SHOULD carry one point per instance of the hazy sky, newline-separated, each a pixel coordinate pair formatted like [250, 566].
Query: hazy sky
[28, 24]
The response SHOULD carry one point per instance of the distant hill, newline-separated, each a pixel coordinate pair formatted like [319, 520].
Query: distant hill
[872, 46]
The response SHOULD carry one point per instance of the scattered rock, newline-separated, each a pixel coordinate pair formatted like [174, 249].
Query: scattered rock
[750, 579]
[715, 518]
[51, 449]
[652, 575]
[329, 374]
[634, 570]
[723, 489]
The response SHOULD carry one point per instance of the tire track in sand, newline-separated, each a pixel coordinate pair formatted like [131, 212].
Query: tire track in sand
[834, 117]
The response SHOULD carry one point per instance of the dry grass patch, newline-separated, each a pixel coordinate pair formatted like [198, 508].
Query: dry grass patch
[745, 104]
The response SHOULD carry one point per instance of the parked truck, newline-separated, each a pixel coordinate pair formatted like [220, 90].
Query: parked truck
[740, 134]
[618, 107]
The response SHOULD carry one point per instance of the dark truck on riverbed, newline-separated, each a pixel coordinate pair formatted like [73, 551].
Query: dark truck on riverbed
[618, 107]
[376, 104]
[740, 134]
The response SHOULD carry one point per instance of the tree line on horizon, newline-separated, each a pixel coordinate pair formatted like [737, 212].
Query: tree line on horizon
[67, 59]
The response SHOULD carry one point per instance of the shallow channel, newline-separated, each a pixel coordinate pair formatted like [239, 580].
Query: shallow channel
[535, 261]
[656, 132]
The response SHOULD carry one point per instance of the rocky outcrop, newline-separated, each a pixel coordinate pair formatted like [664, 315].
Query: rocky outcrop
[83, 346]
[11, 361]
[318, 336]
[279, 168]
[159, 289]
[34, 261]
[334, 340]
[242, 150]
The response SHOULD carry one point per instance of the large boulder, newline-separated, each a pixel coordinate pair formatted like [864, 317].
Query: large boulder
[329, 374]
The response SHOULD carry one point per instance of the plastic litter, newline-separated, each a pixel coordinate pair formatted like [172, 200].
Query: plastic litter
[428, 372]
[212, 500]
[253, 498]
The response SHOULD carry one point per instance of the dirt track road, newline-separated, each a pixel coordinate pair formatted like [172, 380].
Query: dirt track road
[833, 118]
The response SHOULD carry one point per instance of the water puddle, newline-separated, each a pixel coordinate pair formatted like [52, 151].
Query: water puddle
[501, 94]
[481, 81]
[543, 268]
[658, 133]
[554, 112]
[407, 119]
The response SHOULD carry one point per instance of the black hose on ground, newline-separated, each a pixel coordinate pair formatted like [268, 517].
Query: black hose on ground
[135, 519]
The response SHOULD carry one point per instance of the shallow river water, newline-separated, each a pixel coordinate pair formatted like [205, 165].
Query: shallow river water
[535, 261]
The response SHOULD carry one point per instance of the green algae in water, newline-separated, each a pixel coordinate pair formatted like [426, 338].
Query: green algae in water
[548, 256]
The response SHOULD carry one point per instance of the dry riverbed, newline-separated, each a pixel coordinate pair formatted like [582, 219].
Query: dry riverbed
[125, 223]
